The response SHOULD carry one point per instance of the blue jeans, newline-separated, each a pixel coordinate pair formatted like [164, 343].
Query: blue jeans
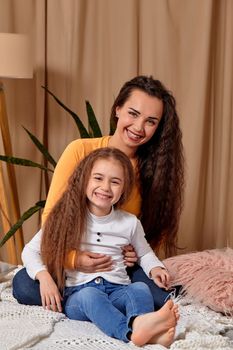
[111, 307]
[27, 291]
[160, 295]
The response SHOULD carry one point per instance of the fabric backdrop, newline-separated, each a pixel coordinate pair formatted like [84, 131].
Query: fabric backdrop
[86, 49]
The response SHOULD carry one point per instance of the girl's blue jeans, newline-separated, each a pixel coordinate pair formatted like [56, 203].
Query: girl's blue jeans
[111, 307]
[27, 291]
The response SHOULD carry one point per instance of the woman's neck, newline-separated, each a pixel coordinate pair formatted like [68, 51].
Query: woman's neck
[116, 142]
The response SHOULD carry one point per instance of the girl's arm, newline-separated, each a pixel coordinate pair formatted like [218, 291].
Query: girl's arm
[50, 295]
[160, 276]
[31, 257]
[149, 262]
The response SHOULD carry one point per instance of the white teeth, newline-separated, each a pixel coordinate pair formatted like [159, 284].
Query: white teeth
[132, 135]
[102, 195]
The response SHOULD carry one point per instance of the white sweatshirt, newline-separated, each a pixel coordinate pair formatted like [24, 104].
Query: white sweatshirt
[106, 235]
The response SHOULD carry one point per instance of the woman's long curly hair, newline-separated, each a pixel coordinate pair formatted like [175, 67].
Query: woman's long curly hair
[161, 167]
[66, 223]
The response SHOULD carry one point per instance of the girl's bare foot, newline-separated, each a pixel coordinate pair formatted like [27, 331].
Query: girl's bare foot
[176, 312]
[146, 327]
[166, 338]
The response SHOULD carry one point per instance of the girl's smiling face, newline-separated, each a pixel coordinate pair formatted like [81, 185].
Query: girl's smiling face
[105, 186]
[138, 118]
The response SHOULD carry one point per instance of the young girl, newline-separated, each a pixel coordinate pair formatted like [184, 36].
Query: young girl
[87, 218]
[148, 132]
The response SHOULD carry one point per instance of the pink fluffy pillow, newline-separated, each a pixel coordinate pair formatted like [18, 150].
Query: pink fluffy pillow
[206, 277]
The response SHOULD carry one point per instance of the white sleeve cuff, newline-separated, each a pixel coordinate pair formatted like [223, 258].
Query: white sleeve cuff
[148, 261]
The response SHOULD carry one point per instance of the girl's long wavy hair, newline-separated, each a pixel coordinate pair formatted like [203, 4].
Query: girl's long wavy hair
[161, 167]
[66, 223]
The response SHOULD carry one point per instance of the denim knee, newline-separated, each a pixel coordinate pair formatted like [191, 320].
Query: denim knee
[160, 295]
[81, 296]
[26, 290]
[140, 286]
[77, 303]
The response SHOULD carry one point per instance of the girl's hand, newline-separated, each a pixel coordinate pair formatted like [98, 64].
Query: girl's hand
[50, 295]
[92, 262]
[130, 256]
[160, 276]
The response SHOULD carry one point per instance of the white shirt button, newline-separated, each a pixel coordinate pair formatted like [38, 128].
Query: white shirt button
[98, 280]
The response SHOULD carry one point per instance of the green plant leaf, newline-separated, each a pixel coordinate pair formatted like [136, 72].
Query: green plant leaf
[39, 205]
[82, 130]
[94, 132]
[23, 162]
[93, 123]
[41, 147]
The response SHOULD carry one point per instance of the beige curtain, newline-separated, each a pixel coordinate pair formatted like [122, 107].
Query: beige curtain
[86, 49]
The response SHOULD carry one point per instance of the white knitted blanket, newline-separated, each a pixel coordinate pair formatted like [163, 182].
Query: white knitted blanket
[32, 327]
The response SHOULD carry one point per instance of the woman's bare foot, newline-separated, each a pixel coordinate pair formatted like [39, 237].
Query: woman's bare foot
[146, 327]
[166, 338]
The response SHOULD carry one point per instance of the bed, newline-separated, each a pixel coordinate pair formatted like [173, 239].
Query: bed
[32, 327]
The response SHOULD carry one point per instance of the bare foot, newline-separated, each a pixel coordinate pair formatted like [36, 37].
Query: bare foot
[146, 327]
[166, 338]
[176, 312]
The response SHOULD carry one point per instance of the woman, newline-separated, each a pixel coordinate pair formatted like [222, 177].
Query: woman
[148, 132]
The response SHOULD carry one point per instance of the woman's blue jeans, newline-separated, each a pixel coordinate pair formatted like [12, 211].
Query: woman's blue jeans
[111, 307]
[27, 291]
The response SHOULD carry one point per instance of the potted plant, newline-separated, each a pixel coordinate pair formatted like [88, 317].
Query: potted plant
[92, 131]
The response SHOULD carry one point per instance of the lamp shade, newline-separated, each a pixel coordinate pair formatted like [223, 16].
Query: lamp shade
[15, 56]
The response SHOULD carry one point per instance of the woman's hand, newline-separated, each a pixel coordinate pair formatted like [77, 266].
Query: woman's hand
[160, 276]
[130, 256]
[89, 262]
[50, 295]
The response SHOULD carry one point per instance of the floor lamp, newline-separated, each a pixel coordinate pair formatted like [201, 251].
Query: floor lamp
[15, 62]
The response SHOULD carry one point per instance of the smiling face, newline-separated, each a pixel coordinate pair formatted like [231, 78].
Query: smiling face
[138, 119]
[105, 186]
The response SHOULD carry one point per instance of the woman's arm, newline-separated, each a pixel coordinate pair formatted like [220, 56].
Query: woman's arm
[64, 168]
[130, 256]
[89, 262]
